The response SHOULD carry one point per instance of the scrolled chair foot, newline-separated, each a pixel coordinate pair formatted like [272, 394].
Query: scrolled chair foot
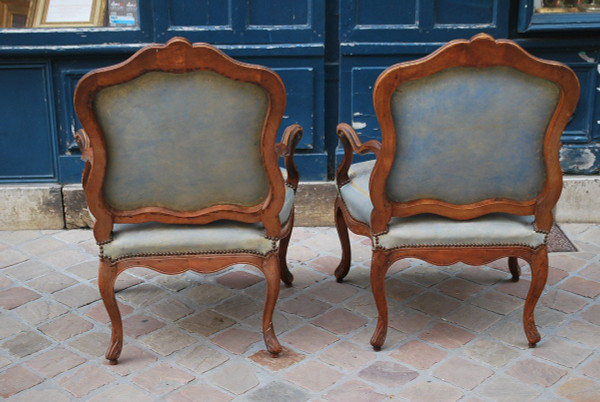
[533, 336]
[287, 278]
[273, 345]
[114, 351]
[341, 271]
[515, 268]
[378, 338]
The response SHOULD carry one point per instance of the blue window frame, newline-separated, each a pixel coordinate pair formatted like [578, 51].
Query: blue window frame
[530, 21]
[11, 39]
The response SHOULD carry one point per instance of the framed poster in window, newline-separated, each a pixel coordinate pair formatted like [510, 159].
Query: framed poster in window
[68, 13]
[122, 13]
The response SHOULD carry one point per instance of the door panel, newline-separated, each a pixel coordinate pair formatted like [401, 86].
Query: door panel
[278, 13]
[27, 135]
[208, 13]
[420, 21]
[382, 13]
[242, 22]
[452, 12]
[300, 109]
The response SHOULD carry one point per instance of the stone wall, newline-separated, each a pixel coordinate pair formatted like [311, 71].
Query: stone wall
[52, 206]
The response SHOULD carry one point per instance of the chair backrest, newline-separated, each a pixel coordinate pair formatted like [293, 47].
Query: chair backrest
[182, 133]
[472, 129]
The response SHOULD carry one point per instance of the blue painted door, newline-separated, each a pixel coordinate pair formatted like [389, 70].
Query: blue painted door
[39, 69]
[328, 53]
[27, 128]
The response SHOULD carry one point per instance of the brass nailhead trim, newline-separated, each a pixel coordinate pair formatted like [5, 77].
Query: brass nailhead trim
[274, 246]
[364, 223]
[381, 233]
[235, 251]
[460, 245]
[379, 247]
[343, 184]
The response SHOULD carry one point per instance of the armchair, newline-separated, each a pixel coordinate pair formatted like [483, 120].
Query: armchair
[467, 169]
[181, 169]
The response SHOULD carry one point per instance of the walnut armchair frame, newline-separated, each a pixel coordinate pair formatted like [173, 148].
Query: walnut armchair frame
[179, 56]
[481, 52]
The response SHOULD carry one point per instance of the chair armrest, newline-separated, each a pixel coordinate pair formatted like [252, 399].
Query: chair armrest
[83, 142]
[286, 148]
[352, 144]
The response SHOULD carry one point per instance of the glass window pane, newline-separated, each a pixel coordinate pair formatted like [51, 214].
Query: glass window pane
[68, 13]
[566, 6]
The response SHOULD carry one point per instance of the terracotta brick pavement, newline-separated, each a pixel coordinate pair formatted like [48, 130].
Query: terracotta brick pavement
[455, 332]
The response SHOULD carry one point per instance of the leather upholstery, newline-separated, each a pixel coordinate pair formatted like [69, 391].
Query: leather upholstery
[355, 193]
[499, 156]
[432, 230]
[196, 135]
[163, 239]
[288, 205]
[221, 236]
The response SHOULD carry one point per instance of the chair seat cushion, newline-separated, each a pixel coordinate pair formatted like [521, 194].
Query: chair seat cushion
[152, 238]
[428, 230]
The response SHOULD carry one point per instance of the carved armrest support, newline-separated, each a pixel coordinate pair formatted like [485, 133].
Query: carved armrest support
[352, 144]
[286, 148]
[83, 142]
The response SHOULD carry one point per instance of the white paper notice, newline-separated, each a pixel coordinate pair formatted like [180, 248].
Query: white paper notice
[69, 10]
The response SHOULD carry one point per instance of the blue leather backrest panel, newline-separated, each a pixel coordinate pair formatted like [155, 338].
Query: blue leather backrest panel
[183, 141]
[468, 134]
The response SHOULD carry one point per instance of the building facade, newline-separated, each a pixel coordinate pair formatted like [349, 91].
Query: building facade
[328, 53]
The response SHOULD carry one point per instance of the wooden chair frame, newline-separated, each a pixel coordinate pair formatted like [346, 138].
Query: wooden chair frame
[481, 51]
[180, 56]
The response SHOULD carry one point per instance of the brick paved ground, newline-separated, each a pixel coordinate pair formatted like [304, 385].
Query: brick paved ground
[455, 332]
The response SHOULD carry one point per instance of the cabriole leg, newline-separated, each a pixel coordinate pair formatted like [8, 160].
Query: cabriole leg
[270, 269]
[107, 276]
[539, 275]
[379, 266]
[342, 230]
[286, 275]
[515, 269]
